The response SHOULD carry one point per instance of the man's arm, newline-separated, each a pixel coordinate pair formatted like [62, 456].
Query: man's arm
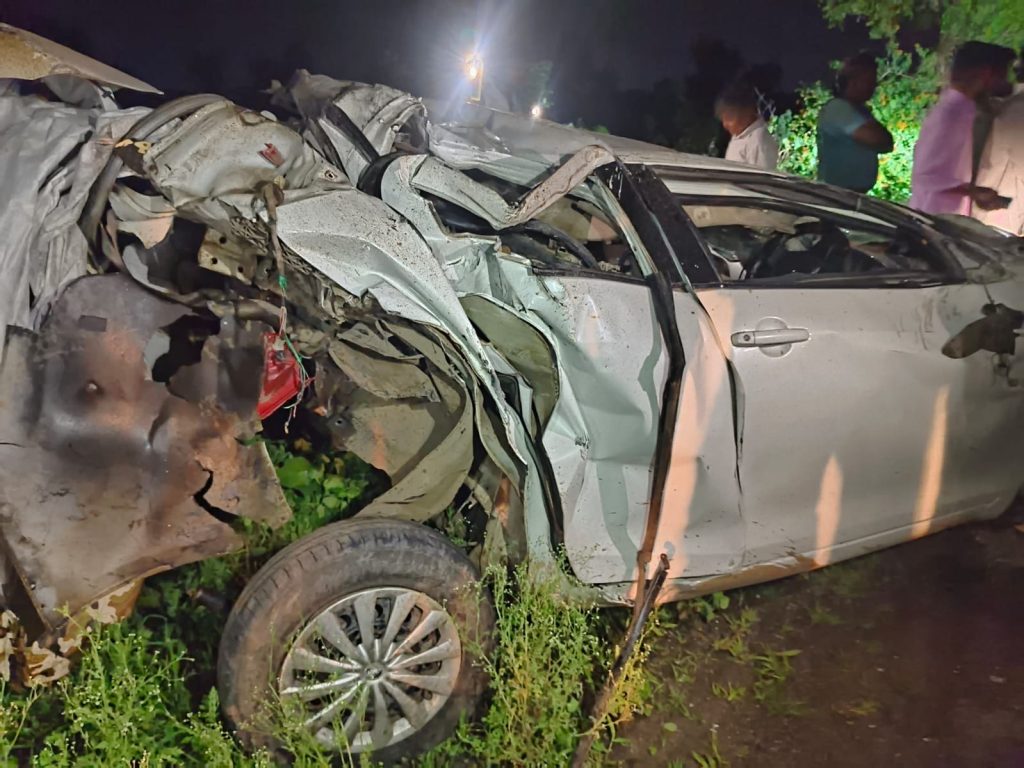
[985, 198]
[873, 134]
[840, 117]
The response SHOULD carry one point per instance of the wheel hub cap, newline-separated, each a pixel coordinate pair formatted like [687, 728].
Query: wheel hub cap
[373, 668]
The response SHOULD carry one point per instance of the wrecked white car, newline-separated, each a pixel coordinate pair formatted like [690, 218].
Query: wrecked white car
[599, 347]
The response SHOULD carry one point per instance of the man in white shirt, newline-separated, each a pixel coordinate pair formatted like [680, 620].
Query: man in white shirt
[751, 143]
[1002, 162]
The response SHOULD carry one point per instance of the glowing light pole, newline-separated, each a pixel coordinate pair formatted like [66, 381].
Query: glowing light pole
[474, 69]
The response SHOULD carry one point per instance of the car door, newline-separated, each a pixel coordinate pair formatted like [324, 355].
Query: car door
[602, 438]
[856, 429]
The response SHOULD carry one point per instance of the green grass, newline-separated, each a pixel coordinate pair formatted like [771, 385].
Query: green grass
[549, 656]
[126, 703]
[141, 694]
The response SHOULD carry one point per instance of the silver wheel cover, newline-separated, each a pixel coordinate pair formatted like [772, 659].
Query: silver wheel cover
[373, 668]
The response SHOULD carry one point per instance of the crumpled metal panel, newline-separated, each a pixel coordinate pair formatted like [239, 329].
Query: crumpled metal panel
[428, 483]
[379, 111]
[364, 247]
[448, 183]
[27, 56]
[222, 153]
[396, 396]
[602, 436]
[472, 135]
[106, 475]
[50, 154]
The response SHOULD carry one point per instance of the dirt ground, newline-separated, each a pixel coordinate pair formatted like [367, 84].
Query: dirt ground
[910, 657]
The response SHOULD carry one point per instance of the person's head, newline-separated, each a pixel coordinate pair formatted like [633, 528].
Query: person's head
[981, 69]
[736, 108]
[858, 78]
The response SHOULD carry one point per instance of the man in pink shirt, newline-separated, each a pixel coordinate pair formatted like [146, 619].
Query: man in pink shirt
[943, 157]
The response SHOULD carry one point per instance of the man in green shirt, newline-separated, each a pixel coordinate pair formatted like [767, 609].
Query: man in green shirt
[850, 139]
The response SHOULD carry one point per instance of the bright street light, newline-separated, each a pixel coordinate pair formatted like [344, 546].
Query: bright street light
[536, 111]
[473, 66]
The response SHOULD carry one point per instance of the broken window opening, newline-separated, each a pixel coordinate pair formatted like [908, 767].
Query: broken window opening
[763, 241]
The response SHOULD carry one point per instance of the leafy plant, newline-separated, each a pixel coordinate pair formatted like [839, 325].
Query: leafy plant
[735, 642]
[994, 21]
[907, 87]
[862, 708]
[712, 758]
[709, 606]
[819, 614]
[546, 651]
[729, 692]
[14, 719]
[773, 669]
[126, 704]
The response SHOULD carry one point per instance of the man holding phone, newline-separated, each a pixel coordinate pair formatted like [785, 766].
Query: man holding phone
[941, 181]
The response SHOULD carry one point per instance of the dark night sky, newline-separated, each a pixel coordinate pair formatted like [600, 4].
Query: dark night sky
[184, 45]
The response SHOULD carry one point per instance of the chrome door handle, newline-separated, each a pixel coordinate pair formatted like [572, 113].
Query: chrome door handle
[770, 337]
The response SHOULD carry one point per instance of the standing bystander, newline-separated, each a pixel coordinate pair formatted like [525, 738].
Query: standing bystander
[751, 142]
[941, 181]
[1002, 161]
[850, 139]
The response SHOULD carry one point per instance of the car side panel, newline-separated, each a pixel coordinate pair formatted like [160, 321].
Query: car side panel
[867, 427]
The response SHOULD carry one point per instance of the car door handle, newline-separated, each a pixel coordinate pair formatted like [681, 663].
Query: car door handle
[770, 337]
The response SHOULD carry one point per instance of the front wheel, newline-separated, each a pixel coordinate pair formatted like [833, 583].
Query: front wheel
[369, 627]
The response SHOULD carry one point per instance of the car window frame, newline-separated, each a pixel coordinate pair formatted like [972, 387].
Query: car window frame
[946, 274]
[605, 199]
[763, 184]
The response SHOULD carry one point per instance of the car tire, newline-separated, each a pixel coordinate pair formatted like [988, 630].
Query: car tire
[346, 578]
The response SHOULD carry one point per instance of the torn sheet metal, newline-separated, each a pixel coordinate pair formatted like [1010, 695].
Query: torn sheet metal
[382, 116]
[427, 485]
[107, 475]
[210, 167]
[524, 347]
[50, 154]
[378, 260]
[399, 398]
[468, 261]
[436, 178]
[27, 56]
[148, 217]
[214, 162]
